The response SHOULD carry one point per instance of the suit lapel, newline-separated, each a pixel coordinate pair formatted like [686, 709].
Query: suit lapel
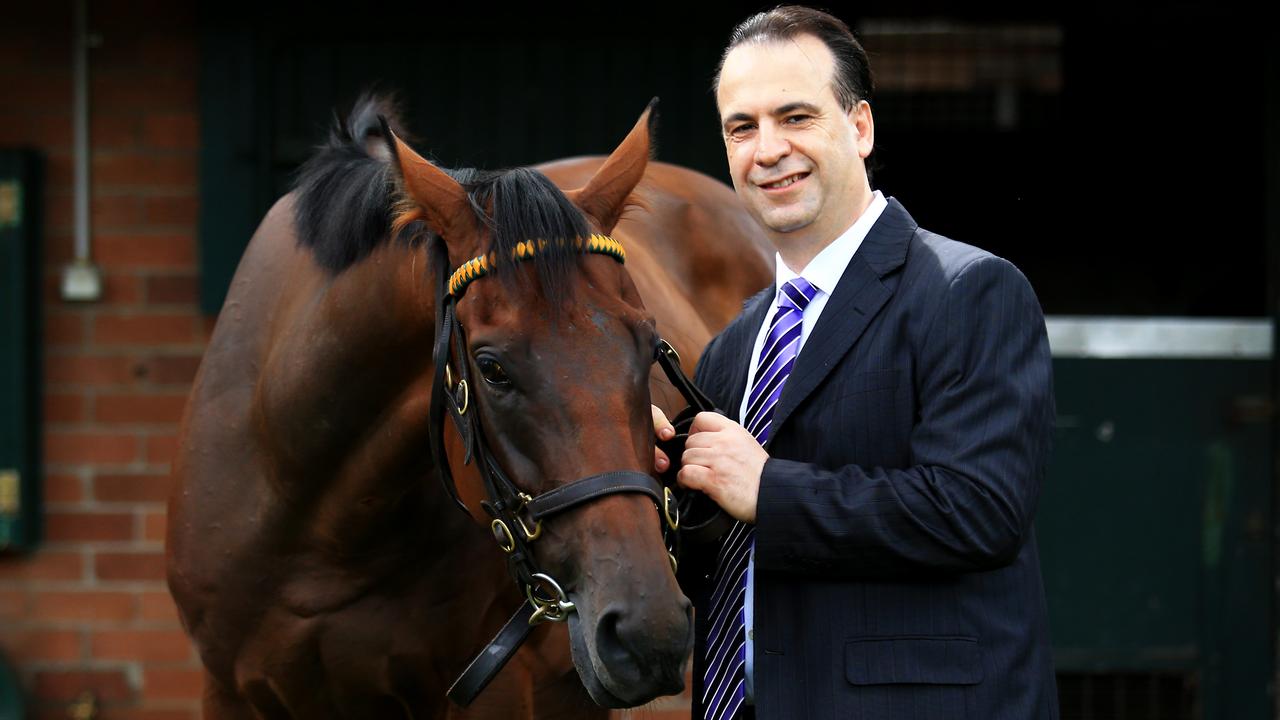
[856, 300]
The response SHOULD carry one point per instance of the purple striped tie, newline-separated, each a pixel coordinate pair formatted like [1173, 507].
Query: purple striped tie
[724, 686]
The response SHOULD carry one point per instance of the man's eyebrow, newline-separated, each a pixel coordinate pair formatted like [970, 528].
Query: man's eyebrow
[782, 110]
[792, 107]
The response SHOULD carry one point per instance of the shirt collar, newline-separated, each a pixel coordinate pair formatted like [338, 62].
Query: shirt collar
[825, 269]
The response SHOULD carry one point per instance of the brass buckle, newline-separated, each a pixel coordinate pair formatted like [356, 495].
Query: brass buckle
[529, 535]
[668, 502]
[548, 609]
[466, 398]
[502, 534]
[453, 390]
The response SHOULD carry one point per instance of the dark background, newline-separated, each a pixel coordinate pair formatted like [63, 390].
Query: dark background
[1135, 186]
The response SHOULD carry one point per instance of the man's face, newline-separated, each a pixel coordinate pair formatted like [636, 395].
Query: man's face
[795, 156]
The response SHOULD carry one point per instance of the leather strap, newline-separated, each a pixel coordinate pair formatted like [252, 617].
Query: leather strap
[591, 487]
[493, 657]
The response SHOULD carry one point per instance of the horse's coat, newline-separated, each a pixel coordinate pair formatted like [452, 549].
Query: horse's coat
[316, 561]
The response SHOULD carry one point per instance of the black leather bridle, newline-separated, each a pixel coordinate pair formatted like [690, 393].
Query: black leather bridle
[516, 516]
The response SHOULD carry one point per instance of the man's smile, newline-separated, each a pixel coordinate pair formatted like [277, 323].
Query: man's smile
[783, 183]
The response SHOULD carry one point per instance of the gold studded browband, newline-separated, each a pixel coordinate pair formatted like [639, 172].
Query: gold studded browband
[478, 267]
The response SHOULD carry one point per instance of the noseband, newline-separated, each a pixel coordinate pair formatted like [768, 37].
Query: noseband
[518, 516]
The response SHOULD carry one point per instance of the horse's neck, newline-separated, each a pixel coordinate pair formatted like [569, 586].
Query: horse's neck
[344, 395]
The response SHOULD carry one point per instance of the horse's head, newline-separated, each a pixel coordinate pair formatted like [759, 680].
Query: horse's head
[558, 349]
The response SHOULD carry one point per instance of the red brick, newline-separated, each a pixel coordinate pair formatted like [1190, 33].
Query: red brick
[109, 212]
[63, 488]
[144, 409]
[122, 170]
[60, 171]
[114, 131]
[44, 90]
[144, 645]
[173, 289]
[157, 607]
[109, 607]
[131, 488]
[162, 449]
[13, 604]
[173, 369]
[59, 211]
[64, 407]
[43, 565]
[145, 329]
[145, 251]
[183, 210]
[67, 446]
[59, 246]
[129, 566]
[121, 288]
[89, 369]
[63, 329]
[42, 645]
[88, 526]
[166, 684]
[46, 131]
[172, 131]
[154, 525]
[66, 685]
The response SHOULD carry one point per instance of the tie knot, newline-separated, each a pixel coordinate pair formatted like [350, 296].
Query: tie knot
[796, 293]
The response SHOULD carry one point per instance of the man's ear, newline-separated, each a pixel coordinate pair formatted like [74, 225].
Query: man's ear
[865, 124]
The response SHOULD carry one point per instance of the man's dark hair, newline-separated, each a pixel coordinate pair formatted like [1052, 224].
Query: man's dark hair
[851, 80]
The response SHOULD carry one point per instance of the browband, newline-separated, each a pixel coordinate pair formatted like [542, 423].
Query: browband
[481, 265]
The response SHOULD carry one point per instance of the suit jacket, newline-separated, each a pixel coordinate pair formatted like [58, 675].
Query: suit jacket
[896, 571]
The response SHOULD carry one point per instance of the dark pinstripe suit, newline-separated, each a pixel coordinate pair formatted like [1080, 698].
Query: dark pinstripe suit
[896, 568]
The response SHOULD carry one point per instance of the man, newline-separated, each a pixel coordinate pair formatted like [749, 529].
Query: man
[884, 478]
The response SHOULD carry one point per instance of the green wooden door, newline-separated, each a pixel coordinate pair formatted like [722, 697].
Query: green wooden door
[19, 350]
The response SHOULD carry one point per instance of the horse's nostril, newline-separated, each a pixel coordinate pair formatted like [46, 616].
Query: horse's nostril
[639, 653]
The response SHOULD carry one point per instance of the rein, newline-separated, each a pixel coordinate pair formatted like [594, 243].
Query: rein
[517, 516]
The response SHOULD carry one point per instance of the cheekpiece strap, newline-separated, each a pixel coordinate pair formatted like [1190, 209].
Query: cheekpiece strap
[482, 265]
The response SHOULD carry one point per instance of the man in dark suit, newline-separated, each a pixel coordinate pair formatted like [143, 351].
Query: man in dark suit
[891, 407]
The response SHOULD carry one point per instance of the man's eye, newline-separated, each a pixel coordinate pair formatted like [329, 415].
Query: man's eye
[793, 119]
[740, 130]
[492, 372]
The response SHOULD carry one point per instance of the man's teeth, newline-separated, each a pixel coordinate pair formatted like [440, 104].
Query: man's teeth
[784, 182]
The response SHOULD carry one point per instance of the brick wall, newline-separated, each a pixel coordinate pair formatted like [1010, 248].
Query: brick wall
[89, 610]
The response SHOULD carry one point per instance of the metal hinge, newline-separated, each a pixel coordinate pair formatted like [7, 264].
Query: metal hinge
[10, 203]
[10, 496]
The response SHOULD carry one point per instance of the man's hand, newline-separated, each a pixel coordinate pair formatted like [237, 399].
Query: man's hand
[724, 461]
[663, 428]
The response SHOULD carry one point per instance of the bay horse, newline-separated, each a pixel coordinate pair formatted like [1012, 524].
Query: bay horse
[318, 565]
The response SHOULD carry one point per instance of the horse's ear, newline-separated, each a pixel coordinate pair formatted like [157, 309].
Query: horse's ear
[605, 194]
[441, 202]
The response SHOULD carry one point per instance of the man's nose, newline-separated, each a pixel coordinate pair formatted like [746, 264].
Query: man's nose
[772, 146]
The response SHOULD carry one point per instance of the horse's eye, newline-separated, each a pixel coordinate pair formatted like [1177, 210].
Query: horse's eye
[492, 372]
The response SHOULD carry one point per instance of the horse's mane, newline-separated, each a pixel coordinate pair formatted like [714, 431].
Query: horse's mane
[347, 195]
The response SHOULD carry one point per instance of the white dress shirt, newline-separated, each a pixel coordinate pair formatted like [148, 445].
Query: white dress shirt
[823, 272]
